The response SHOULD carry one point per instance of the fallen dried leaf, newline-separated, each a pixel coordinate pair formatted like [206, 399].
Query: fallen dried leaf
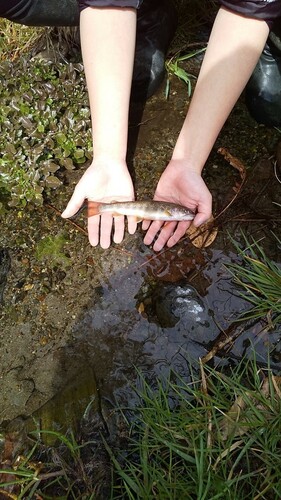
[141, 308]
[204, 235]
[234, 162]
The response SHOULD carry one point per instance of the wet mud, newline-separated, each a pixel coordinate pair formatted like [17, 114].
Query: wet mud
[78, 323]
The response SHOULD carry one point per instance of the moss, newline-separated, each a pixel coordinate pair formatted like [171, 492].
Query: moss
[51, 248]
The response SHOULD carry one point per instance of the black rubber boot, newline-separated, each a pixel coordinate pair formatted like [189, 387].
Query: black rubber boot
[263, 91]
[45, 13]
[156, 26]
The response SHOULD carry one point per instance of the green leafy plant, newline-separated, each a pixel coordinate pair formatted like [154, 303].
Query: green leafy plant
[173, 68]
[44, 126]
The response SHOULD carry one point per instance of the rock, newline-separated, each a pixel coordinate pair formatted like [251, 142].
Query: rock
[176, 303]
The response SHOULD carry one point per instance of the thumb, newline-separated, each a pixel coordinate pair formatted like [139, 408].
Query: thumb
[203, 215]
[75, 202]
[204, 209]
[200, 219]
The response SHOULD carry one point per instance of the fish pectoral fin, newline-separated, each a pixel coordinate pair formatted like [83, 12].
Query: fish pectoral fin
[117, 214]
[137, 219]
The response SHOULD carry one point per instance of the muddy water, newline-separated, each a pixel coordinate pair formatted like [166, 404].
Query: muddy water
[76, 322]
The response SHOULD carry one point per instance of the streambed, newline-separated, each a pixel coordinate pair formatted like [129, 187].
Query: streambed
[78, 322]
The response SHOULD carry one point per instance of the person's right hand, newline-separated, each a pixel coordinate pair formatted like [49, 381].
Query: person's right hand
[104, 181]
[185, 186]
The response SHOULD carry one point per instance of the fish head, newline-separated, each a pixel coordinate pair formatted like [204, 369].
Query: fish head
[181, 213]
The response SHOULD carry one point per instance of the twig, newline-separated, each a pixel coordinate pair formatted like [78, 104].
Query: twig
[191, 45]
[7, 495]
[234, 162]
[205, 392]
[222, 343]
[275, 171]
[153, 257]
[48, 475]
[68, 220]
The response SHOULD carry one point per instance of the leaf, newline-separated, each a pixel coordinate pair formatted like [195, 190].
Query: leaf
[234, 162]
[204, 235]
[67, 163]
[53, 181]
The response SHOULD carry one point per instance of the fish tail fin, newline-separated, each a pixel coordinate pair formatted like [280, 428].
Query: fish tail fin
[93, 208]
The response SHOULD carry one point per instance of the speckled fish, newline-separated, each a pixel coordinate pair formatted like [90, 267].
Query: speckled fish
[142, 210]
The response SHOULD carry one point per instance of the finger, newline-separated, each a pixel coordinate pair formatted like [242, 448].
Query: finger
[145, 224]
[132, 225]
[105, 230]
[152, 231]
[119, 228]
[179, 233]
[94, 230]
[164, 235]
[75, 202]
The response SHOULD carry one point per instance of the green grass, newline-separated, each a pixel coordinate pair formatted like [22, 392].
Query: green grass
[16, 39]
[216, 437]
[260, 278]
[63, 475]
[202, 448]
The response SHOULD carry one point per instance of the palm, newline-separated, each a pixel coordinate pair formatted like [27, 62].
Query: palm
[105, 183]
[186, 187]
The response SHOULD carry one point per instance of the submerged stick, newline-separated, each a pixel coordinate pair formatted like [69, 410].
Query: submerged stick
[230, 337]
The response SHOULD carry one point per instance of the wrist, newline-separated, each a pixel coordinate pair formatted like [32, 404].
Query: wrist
[187, 163]
[114, 165]
[109, 157]
[110, 142]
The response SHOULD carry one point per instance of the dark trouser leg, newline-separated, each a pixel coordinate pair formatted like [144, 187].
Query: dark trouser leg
[45, 13]
[156, 26]
[263, 91]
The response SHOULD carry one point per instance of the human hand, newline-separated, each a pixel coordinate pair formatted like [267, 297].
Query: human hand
[104, 181]
[178, 184]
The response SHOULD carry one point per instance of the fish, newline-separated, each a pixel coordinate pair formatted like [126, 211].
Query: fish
[142, 210]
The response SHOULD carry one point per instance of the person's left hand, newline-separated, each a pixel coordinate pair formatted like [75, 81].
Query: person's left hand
[104, 181]
[182, 185]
